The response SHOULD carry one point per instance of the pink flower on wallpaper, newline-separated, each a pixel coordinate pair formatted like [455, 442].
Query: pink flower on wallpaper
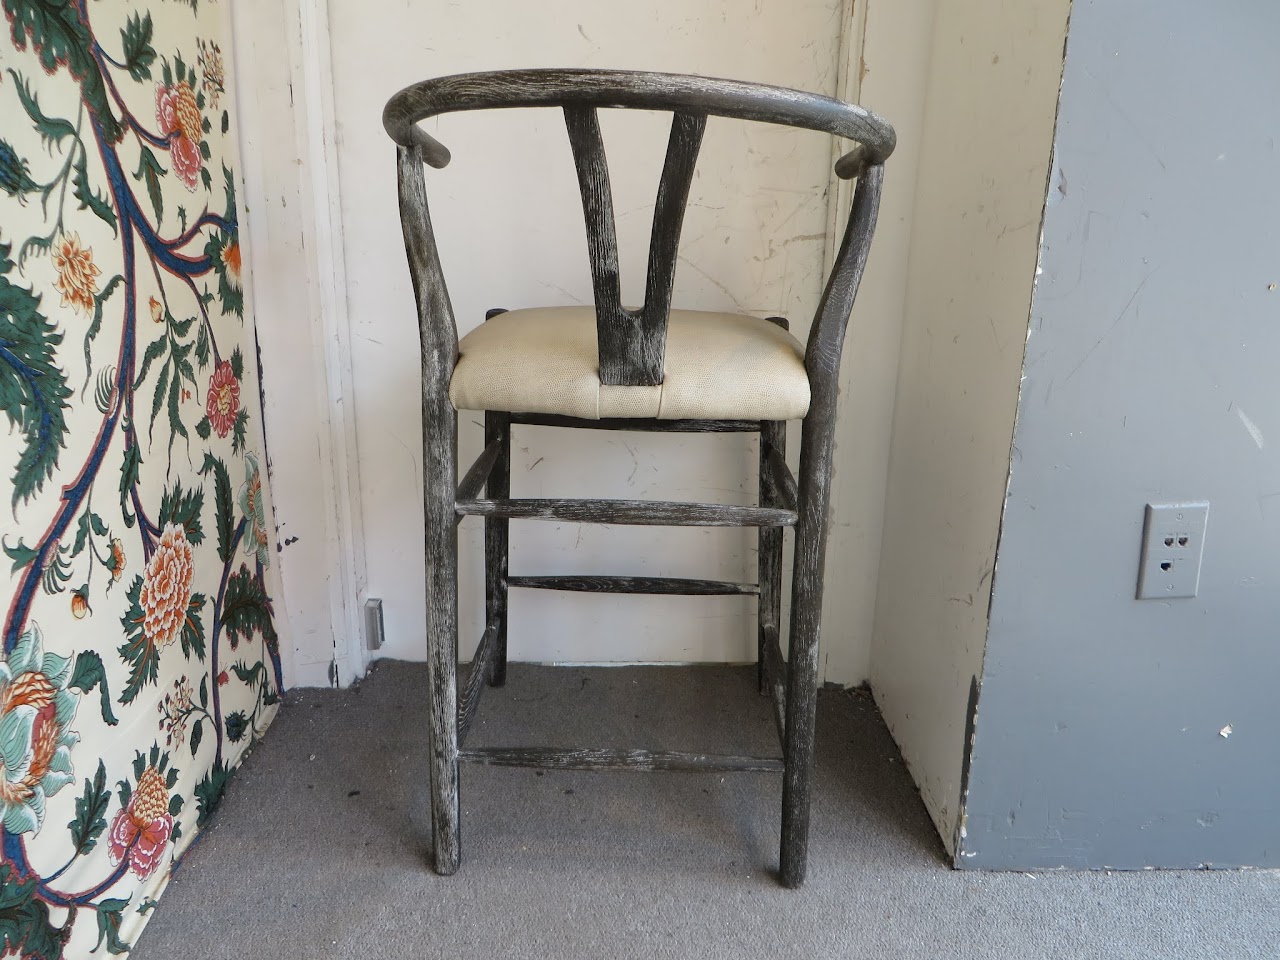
[179, 119]
[141, 829]
[186, 161]
[224, 399]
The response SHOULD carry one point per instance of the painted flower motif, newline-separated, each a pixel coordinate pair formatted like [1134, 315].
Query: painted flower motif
[224, 399]
[186, 161]
[166, 587]
[223, 249]
[175, 709]
[211, 68]
[36, 708]
[142, 828]
[116, 561]
[256, 543]
[80, 604]
[157, 310]
[178, 115]
[231, 263]
[223, 678]
[77, 273]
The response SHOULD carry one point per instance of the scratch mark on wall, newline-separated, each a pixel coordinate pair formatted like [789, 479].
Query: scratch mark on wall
[717, 283]
[1250, 426]
[1114, 324]
[555, 286]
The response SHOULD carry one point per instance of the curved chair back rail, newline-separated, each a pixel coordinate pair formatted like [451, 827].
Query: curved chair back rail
[631, 343]
[627, 89]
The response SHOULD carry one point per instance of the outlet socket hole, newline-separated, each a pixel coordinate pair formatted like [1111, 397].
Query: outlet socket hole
[1166, 566]
[1183, 541]
[1168, 541]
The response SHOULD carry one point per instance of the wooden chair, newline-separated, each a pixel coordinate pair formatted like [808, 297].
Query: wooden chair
[652, 368]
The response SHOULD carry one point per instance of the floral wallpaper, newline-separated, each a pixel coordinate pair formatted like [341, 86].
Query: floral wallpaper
[140, 656]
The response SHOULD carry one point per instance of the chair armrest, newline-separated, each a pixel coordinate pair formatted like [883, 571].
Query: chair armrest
[853, 164]
[434, 153]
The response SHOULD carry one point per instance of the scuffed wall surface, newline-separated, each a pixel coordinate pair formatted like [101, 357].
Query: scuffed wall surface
[987, 132]
[141, 657]
[1114, 732]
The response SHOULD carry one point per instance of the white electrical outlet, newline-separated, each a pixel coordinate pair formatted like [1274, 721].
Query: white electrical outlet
[1172, 546]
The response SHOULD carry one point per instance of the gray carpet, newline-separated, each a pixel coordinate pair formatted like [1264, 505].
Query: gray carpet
[319, 848]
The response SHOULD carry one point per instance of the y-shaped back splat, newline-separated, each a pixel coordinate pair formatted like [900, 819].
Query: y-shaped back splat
[632, 343]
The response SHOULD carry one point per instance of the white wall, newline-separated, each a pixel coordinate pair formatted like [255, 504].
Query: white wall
[887, 59]
[320, 556]
[509, 222]
[989, 113]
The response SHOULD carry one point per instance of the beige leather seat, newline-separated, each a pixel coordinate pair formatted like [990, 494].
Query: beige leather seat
[719, 366]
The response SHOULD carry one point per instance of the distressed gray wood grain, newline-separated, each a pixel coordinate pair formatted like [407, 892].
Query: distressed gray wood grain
[652, 585]
[631, 512]
[476, 477]
[617, 328]
[439, 343]
[477, 674]
[775, 678]
[817, 444]
[664, 241]
[675, 93]
[773, 440]
[781, 482]
[497, 430]
[554, 758]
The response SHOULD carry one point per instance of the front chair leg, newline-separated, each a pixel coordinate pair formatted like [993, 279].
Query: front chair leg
[439, 486]
[802, 656]
[497, 426]
[773, 433]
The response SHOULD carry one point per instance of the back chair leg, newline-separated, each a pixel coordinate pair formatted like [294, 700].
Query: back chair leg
[497, 426]
[773, 433]
[802, 655]
[440, 478]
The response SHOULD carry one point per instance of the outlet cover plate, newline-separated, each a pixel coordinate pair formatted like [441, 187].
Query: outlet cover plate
[374, 629]
[1172, 548]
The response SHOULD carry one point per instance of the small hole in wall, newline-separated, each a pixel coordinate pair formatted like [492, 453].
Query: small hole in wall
[1166, 566]
[1183, 541]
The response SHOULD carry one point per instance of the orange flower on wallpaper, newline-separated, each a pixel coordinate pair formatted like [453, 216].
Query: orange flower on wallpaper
[224, 399]
[117, 561]
[77, 273]
[231, 263]
[166, 587]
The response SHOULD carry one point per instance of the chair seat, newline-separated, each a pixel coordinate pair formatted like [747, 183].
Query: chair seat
[719, 366]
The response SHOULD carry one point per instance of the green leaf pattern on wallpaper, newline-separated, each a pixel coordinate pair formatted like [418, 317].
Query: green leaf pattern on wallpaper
[141, 658]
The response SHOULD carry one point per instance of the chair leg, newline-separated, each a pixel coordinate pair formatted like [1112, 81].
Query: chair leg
[440, 477]
[802, 656]
[496, 542]
[773, 433]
